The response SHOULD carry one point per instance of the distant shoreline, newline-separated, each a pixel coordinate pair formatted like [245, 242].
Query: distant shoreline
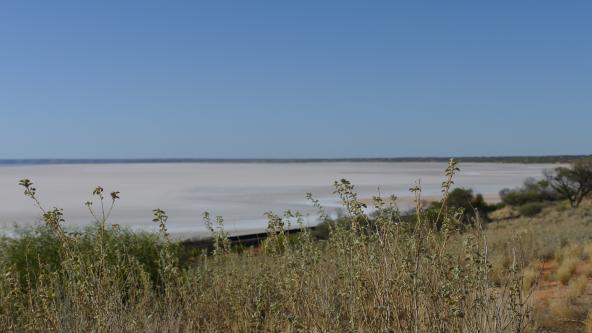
[473, 159]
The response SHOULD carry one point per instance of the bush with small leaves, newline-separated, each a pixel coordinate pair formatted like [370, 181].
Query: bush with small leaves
[530, 209]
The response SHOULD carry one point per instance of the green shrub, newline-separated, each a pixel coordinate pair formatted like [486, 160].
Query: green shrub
[520, 197]
[531, 191]
[37, 250]
[530, 209]
[30, 252]
[473, 206]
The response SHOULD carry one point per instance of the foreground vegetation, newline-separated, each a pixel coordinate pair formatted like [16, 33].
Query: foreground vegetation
[435, 270]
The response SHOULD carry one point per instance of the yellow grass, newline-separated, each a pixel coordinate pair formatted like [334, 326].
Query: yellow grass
[577, 287]
[566, 269]
[588, 323]
[531, 275]
[561, 309]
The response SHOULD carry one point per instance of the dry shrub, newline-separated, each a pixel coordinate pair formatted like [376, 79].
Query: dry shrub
[561, 309]
[577, 287]
[502, 214]
[531, 275]
[575, 251]
[588, 323]
[586, 269]
[499, 267]
[566, 269]
[588, 251]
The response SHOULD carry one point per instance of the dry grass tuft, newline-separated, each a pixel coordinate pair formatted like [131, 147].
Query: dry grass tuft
[531, 275]
[588, 323]
[566, 269]
[588, 251]
[571, 251]
[577, 287]
[586, 269]
[562, 310]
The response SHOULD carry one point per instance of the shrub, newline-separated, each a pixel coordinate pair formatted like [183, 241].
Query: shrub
[576, 251]
[561, 309]
[531, 275]
[472, 206]
[322, 231]
[587, 251]
[531, 191]
[566, 269]
[36, 251]
[577, 287]
[519, 197]
[530, 209]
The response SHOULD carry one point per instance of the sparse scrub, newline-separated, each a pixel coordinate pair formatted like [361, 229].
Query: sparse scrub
[428, 272]
[540, 238]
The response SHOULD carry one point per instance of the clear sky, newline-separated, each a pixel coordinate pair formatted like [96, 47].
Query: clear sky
[294, 79]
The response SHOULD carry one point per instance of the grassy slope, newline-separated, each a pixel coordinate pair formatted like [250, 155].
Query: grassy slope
[404, 278]
[556, 249]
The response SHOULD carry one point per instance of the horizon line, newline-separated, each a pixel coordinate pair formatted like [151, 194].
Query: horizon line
[467, 158]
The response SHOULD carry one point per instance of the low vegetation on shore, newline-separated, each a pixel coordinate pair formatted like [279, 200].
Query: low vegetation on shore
[458, 265]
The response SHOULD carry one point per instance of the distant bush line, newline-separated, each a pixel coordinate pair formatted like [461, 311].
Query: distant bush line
[483, 159]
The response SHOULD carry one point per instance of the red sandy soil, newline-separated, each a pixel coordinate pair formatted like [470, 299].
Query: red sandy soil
[548, 290]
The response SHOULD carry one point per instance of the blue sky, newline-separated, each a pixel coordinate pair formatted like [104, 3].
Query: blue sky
[294, 79]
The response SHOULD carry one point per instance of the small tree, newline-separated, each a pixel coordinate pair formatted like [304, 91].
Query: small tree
[574, 183]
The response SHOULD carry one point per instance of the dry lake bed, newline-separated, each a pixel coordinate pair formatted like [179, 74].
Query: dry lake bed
[240, 192]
